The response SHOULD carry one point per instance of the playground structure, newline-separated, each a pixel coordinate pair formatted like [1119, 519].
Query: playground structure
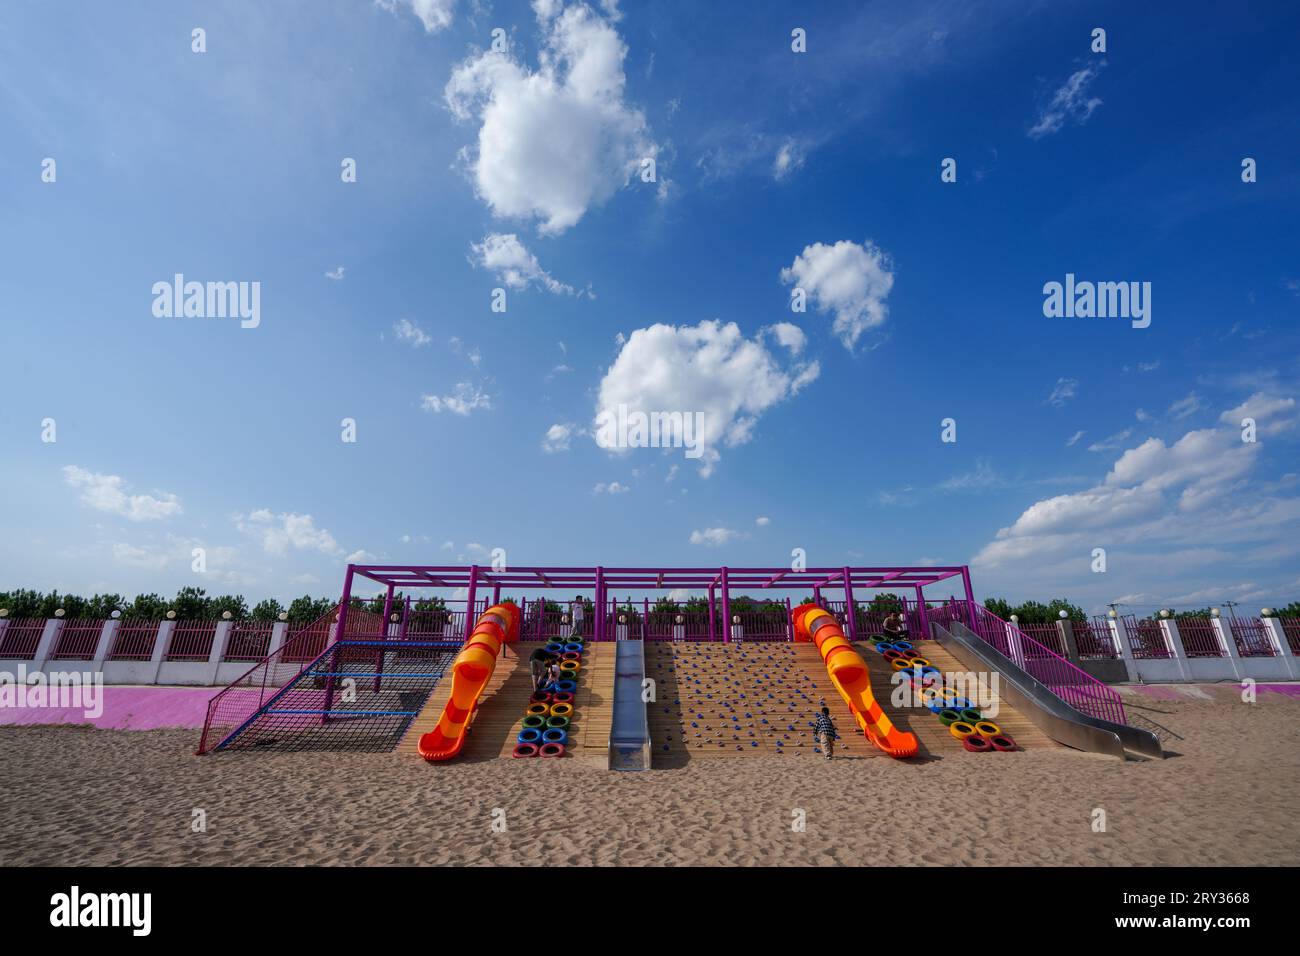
[730, 697]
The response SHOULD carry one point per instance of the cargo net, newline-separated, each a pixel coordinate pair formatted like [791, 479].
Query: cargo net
[358, 696]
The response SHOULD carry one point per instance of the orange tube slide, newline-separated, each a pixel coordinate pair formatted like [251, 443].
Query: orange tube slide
[470, 673]
[852, 678]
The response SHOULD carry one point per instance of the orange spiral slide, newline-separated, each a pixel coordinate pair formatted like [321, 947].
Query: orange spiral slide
[852, 678]
[470, 673]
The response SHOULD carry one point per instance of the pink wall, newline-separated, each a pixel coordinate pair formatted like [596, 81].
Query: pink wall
[127, 708]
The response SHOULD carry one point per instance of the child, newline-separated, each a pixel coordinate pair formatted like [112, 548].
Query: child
[824, 733]
[553, 669]
[538, 664]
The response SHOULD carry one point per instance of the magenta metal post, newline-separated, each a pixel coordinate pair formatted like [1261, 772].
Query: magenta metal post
[713, 634]
[339, 635]
[848, 605]
[970, 596]
[600, 609]
[469, 601]
[789, 620]
[726, 607]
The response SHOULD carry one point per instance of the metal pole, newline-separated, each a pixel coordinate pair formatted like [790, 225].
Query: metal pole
[600, 605]
[339, 635]
[789, 620]
[970, 595]
[469, 601]
[920, 610]
[848, 605]
[712, 630]
[379, 652]
[645, 616]
[726, 608]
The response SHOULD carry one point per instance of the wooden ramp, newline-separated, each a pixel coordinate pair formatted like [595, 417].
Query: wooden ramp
[719, 700]
[504, 701]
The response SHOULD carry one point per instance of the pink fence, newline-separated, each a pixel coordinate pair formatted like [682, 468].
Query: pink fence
[78, 640]
[1251, 637]
[1048, 635]
[134, 641]
[20, 637]
[1146, 639]
[248, 641]
[1094, 640]
[191, 641]
[1076, 687]
[1199, 637]
[1291, 628]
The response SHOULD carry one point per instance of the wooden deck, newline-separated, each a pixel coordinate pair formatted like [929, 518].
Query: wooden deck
[504, 701]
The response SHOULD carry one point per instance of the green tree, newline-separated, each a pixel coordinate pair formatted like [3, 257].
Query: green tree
[192, 604]
[146, 607]
[268, 609]
[306, 609]
[234, 603]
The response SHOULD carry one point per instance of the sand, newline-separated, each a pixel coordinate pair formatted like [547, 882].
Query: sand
[78, 796]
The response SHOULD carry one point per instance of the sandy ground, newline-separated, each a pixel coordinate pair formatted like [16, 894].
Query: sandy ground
[75, 796]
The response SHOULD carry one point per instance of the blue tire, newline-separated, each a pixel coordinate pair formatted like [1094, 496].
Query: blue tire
[555, 736]
[554, 648]
[902, 645]
[566, 686]
[529, 735]
[882, 647]
[573, 648]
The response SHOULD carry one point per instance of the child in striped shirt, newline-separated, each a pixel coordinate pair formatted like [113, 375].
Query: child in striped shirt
[824, 732]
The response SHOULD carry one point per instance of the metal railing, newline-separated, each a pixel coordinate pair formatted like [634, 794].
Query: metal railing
[1291, 629]
[78, 640]
[134, 641]
[1251, 636]
[1146, 639]
[1199, 637]
[1049, 635]
[1094, 640]
[191, 641]
[20, 638]
[248, 641]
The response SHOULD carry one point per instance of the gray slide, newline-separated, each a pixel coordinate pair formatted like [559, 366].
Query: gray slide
[1044, 709]
[629, 734]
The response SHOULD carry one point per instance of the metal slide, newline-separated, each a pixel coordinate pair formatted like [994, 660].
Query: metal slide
[629, 735]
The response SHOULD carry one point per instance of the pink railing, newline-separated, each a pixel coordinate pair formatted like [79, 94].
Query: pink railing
[134, 641]
[1251, 637]
[1146, 639]
[1291, 628]
[1046, 634]
[191, 641]
[1199, 637]
[1076, 687]
[248, 641]
[1094, 640]
[78, 640]
[20, 637]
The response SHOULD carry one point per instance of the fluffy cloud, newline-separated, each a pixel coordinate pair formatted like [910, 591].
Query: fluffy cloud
[789, 157]
[789, 335]
[711, 369]
[713, 537]
[408, 331]
[464, 399]
[851, 280]
[109, 493]
[434, 14]
[1070, 102]
[1272, 413]
[278, 533]
[1063, 391]
[514, 265]
[612, 488]
[558, 140]
[558, 437]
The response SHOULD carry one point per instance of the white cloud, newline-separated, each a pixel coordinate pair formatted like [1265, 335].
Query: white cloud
[982, 478]
[708, 368]
[434, 14]
[612, 488]
[1074, 439]
[335, 274]
[558, 437]
[408, 331]
[1111, 443]
[1185, 406]
[851, 280]
[789, 157]
[465, 398]
[1070, 102]
[713, 537]
[789, 335]
[1063, 391]
[1272, 413]
[514, 265]
[280, 532]
[762, 521]
[108, 493]
[558, 140]
[360, 556]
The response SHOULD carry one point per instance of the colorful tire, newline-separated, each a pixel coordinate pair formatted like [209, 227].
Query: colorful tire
[561, 710]
[877, 639]
[554, 648]
[529, 735]
[566, 686]
[938, 706]
[977, 744]
[920, 662]
[557, 723]
[573, 648]
[562, 698]
[570, 667]
[570, 655]
[541, 709]
[948, 717]
[534, 722]
[525, 750]
[928, 697]
[972, 716]
[900, 664]
[541, 697]
[555, 735]
[962, 703]
[960, 729]
[884, 647]
[988, 728]
[1003, 743]
[948, 693]
[551, 750]
[902, 645]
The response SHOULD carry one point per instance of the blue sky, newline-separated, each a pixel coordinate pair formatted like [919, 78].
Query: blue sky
[774, 170]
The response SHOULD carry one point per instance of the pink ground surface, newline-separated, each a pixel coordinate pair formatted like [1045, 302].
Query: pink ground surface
[126, 708]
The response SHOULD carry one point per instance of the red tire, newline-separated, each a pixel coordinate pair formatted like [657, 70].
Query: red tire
[525, 750]
[552, 750]
[977, 744]
[1003, 743]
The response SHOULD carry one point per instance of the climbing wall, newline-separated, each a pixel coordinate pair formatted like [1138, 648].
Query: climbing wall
[732, 700]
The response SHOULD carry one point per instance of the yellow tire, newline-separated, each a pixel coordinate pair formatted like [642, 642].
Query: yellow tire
[986, 728]
[960, 729]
